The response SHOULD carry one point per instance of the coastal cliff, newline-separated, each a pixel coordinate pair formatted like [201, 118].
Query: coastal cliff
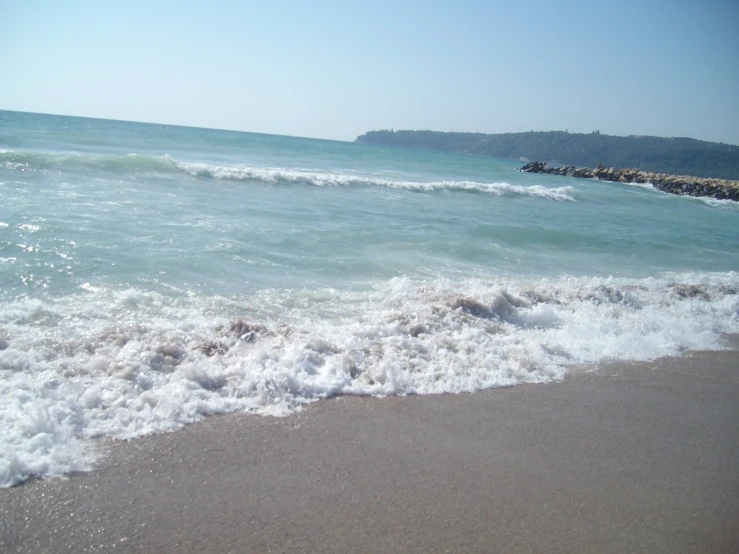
[721, 189]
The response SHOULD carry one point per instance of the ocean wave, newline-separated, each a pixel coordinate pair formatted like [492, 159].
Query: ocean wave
[133, 164]
[323, 179]
[125, 363]
[648, 186]
[724, 204]
[74, 161]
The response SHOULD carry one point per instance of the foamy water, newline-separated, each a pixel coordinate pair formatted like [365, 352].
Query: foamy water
[153, 276]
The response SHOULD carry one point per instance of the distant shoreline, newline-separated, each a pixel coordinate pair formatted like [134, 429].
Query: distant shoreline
[683, 185]
[672, 156]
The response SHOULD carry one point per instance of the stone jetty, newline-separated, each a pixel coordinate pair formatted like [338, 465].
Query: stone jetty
[721, 189]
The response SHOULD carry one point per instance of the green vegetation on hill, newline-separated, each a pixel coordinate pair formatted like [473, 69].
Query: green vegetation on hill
[662, 155]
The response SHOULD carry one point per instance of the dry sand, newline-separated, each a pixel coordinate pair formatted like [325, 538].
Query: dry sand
[631, 458]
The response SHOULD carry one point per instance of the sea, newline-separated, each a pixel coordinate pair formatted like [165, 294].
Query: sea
[154, 275]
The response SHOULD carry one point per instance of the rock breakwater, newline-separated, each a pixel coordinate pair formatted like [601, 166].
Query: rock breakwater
[721, 189]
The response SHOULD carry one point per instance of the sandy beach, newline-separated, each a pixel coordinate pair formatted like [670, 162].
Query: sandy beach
[628, 458]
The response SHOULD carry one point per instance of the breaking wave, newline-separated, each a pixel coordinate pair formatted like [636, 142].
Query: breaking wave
[321, 179]
[126, 363]
[724, 204]
[74, 161]
[137, 164]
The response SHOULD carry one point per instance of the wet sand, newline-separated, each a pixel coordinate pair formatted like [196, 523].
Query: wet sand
[630, 458]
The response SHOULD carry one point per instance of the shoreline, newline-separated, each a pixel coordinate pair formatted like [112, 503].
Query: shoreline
[681, 185]
[626, 457]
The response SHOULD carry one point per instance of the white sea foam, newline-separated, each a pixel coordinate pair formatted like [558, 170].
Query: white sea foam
[28, 227]
[125, 363]
[713, 202]
[648, 186]
[723, 204]
[321, 179]
[138, 163]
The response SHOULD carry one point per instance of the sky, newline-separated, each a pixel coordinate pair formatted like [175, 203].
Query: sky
[335, 70]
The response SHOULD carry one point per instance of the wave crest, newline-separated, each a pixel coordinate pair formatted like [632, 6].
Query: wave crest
[125, 363]
[133, 164]
[325, 179]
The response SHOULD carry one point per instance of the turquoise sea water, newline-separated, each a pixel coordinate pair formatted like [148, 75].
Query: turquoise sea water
[152, 275]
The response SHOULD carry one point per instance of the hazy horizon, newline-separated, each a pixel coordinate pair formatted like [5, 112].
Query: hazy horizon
[330, 139]
[664, 69]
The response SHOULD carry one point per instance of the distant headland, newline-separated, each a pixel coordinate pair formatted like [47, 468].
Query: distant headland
[681, 156]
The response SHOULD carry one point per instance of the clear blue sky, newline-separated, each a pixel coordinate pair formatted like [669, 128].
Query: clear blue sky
[337, 69]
